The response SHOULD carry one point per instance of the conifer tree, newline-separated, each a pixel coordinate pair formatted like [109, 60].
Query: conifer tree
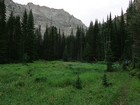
[59, 45]
[105, 81]
[88, 52]
[14, 35]
[31, 38]
[56, 43]
[136, 35]
[78, 36]
[46, 44]
[24, 29]
[122, 36]
[73, 48]
[3, 37]
[10, 34]
[109, 38]
[89, 42]
[66, 55]
[80, 43]
[104, 34]
[69, 49]
[62, 44]
[108, 41]
[78, 83]
[96, 40]
[52, 44]
[17, 39]
[130, 19]
[39, 42]
[133, 23]
[116, 45]
[101, 42]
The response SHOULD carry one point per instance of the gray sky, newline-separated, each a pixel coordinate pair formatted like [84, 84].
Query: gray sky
[85, 10]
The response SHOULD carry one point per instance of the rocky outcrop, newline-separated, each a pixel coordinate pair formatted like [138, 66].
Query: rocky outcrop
[46, 16]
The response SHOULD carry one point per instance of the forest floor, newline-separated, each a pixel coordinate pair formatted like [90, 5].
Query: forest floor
[53, 83]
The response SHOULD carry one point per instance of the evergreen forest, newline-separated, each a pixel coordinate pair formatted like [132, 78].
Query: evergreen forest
[99, 65]
[114, 40]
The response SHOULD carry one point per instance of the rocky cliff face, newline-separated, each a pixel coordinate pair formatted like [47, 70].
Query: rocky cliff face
[46, 16]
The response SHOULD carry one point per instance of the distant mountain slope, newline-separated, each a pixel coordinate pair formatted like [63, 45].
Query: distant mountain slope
[45, 15]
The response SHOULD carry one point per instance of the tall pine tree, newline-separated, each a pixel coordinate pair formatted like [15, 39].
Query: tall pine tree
[24, 36]
[11, 42]
[39, 42]
[3, 37]
[31, 38]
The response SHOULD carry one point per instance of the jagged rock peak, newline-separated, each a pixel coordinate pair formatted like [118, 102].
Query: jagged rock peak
[44, 15]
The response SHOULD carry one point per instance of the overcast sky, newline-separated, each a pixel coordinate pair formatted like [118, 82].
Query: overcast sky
[85, 10]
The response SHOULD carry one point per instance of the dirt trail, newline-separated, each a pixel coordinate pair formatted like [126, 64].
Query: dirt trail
[123, 95]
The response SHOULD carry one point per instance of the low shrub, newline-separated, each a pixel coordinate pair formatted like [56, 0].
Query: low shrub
[40, 79]
[78, 83]
[20, 84]
[105, 81]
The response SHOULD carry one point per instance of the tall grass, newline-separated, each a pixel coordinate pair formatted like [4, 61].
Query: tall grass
[52, 83]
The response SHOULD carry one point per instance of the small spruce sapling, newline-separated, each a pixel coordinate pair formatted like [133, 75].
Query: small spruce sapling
[105, 81]
[78, 83]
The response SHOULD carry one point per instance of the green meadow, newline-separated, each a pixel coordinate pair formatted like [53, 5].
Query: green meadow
[53, 83]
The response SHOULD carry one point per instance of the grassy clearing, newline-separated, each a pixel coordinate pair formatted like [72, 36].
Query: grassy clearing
[52, 83]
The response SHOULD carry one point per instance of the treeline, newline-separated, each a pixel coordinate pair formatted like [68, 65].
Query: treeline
[114, 40]
[101, 41]
[18, 41]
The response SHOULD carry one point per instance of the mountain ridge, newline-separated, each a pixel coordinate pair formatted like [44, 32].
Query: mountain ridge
[44, 15]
